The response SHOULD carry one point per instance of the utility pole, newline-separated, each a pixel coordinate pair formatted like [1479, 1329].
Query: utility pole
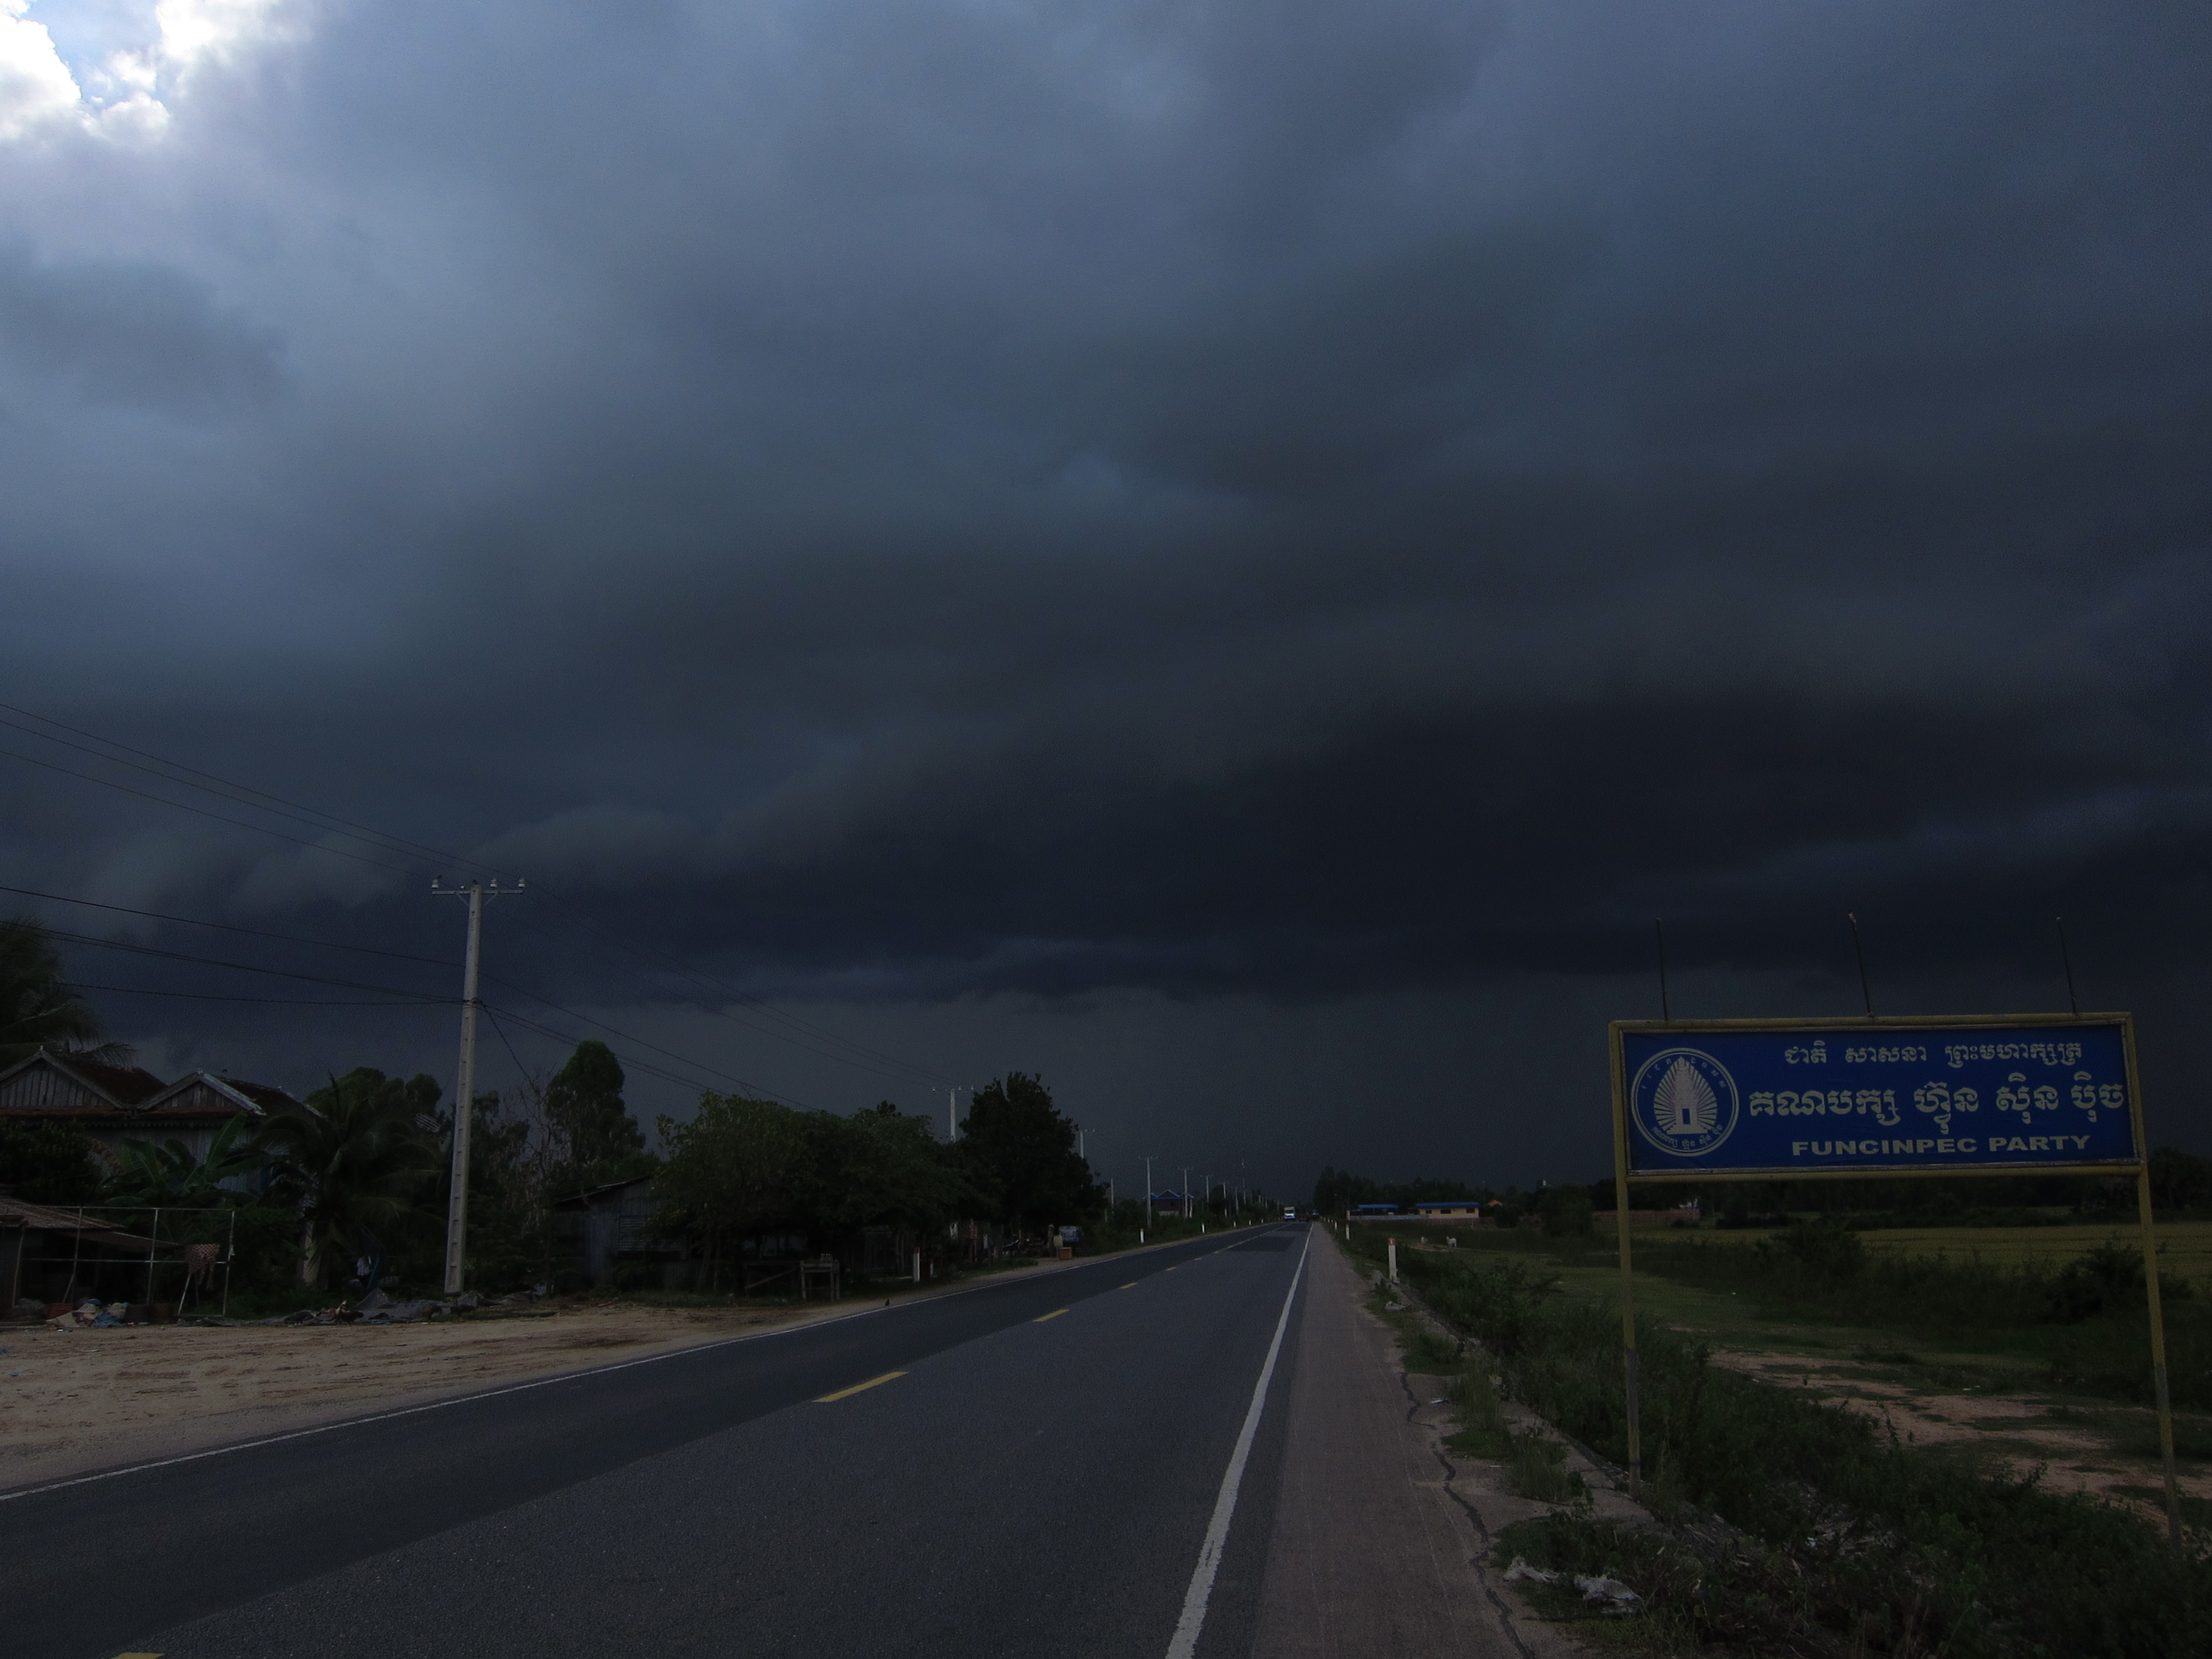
[464, 1088]
[1148, 1156]
[1186, 1191]
[952, 1111]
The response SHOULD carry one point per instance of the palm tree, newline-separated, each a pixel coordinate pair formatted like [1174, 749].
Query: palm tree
[168, 1177]
[39, 1009]
[352, 1158]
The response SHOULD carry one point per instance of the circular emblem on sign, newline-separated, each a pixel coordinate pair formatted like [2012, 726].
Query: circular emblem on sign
[1683, 1101]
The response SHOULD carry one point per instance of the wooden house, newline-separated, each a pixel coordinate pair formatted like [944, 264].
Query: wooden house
[117, 1104]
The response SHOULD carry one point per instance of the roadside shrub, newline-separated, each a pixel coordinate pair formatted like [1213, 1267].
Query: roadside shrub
[1566, 1212]
[2107, 1279]
[1915, 1553]
[1823, 1246]
[2110, 1355]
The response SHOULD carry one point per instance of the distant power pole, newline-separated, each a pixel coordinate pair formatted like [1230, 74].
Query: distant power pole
[465, 1090]
[1186, 1191]
[952, 1111]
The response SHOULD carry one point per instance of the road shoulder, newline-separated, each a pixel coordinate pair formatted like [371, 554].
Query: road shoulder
[1374, 1552]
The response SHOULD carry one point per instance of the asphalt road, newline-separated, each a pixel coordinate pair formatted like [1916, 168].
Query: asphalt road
[1038, 1480]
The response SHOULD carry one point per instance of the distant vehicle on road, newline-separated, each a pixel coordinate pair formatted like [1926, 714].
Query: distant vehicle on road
[1289, 1212]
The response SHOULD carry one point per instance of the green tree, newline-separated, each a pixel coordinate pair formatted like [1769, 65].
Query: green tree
[2180, 1181]
[171, 1176]
[730, 1171]
[352, 1159]
[49, 1162]
[1021, 1154]
[1566, 1212]
[37, 1007]
[584, 1110]
[879, 1168]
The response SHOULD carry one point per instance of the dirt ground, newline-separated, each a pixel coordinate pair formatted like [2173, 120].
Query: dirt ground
[74, 1401]
[2077, 1446]
[85, 1399]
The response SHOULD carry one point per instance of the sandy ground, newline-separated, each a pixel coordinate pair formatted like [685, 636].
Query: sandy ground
[2076, 1445]
[77, 1400]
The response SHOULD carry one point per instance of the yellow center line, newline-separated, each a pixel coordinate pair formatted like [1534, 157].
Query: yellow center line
[1130, 1286]
[1055, 1314]
[847, 1394]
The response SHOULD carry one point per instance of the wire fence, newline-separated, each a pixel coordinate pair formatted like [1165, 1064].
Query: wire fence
[162, 1261]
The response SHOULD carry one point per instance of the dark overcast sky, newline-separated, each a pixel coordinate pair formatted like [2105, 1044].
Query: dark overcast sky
[1233, 554]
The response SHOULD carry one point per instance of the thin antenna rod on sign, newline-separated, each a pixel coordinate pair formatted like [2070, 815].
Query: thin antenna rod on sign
[1666, 1013]
[2073, 1005]
[1866, 990]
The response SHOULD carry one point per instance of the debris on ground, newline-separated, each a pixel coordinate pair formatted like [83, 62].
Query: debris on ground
[1617, 1595]
[1521, 1570]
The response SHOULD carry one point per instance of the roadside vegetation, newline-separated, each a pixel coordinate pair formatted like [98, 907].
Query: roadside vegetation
[1792, 1526]
[346, 1192]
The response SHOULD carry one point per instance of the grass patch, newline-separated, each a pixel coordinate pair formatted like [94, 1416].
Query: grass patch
[1431, 1354]
[1736, 1596]
[1848, 1541]
[1536, 1466]
[2195, 1511]
[2192, 1439]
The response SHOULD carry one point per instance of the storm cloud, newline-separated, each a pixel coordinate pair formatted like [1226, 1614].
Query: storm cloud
[1012, 532]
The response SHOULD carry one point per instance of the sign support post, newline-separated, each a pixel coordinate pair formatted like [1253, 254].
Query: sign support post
[1729, 1100]
[1627, 1292]
[2161, 1389]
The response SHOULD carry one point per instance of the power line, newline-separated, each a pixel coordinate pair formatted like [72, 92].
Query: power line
[241, 966]
[229, 928]
[901, 1070]
[227, 788]
[231, 789]
[184, 806]
[601, 1024]
[248, 795]
[632, 1063]
[408, 997]
[274, 1002]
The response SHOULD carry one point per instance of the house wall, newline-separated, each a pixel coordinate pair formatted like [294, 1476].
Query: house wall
[42, 1089]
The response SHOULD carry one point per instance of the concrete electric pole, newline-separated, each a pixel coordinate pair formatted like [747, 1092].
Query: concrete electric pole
[464, 1090]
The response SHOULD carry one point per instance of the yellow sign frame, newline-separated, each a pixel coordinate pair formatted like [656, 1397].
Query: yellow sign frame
[2140, 1169]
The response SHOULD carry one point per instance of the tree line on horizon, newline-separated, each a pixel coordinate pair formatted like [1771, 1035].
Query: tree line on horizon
[358, 1176]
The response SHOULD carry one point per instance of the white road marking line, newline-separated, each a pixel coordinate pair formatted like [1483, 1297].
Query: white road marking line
[535, 1382]
[1184, 1643]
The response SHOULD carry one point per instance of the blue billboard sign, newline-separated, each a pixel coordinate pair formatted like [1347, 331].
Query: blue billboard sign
[1861, 1097]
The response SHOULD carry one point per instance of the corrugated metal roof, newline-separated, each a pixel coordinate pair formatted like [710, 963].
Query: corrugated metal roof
[70, 1086]
[47, 1218]
[46, 1082]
